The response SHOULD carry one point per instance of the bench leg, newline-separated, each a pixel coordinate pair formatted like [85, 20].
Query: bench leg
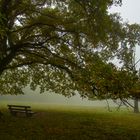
[28, 115]
[14, 113]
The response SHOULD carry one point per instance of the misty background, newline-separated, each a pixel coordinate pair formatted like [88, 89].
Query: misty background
[50, 98]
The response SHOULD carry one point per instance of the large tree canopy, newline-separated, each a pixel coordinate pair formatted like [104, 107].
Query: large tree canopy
[64, 46]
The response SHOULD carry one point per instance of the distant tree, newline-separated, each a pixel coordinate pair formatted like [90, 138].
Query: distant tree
[128, 57]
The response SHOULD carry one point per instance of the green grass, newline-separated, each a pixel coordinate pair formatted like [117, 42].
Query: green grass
[70, 123]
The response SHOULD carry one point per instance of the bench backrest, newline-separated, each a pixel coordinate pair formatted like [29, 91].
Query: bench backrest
[19, 107]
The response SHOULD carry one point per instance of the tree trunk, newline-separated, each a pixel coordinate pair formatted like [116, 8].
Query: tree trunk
[136, 105]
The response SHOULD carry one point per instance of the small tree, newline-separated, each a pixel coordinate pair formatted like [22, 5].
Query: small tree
[121, 82]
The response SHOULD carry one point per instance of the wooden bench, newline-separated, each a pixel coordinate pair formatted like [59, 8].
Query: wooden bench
[20, 109]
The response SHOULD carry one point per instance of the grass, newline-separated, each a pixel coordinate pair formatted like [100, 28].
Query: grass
[70, 123]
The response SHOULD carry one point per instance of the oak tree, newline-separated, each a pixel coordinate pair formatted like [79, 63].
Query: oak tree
[49, 43]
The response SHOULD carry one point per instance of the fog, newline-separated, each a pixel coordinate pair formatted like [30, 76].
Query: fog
[50, 98]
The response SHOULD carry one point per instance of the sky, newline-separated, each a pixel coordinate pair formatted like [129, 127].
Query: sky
[129, 11]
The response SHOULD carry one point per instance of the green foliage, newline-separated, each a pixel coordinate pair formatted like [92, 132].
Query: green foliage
[65, 46]
[12, 82]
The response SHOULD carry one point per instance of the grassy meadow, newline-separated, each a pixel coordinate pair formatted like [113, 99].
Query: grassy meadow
[56, 122]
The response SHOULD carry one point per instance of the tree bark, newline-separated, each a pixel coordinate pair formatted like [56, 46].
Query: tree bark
[136, 105]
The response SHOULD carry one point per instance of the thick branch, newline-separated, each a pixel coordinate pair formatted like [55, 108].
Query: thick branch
[125, 102]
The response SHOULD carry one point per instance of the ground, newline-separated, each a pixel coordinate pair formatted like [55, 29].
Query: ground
[71, 123]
